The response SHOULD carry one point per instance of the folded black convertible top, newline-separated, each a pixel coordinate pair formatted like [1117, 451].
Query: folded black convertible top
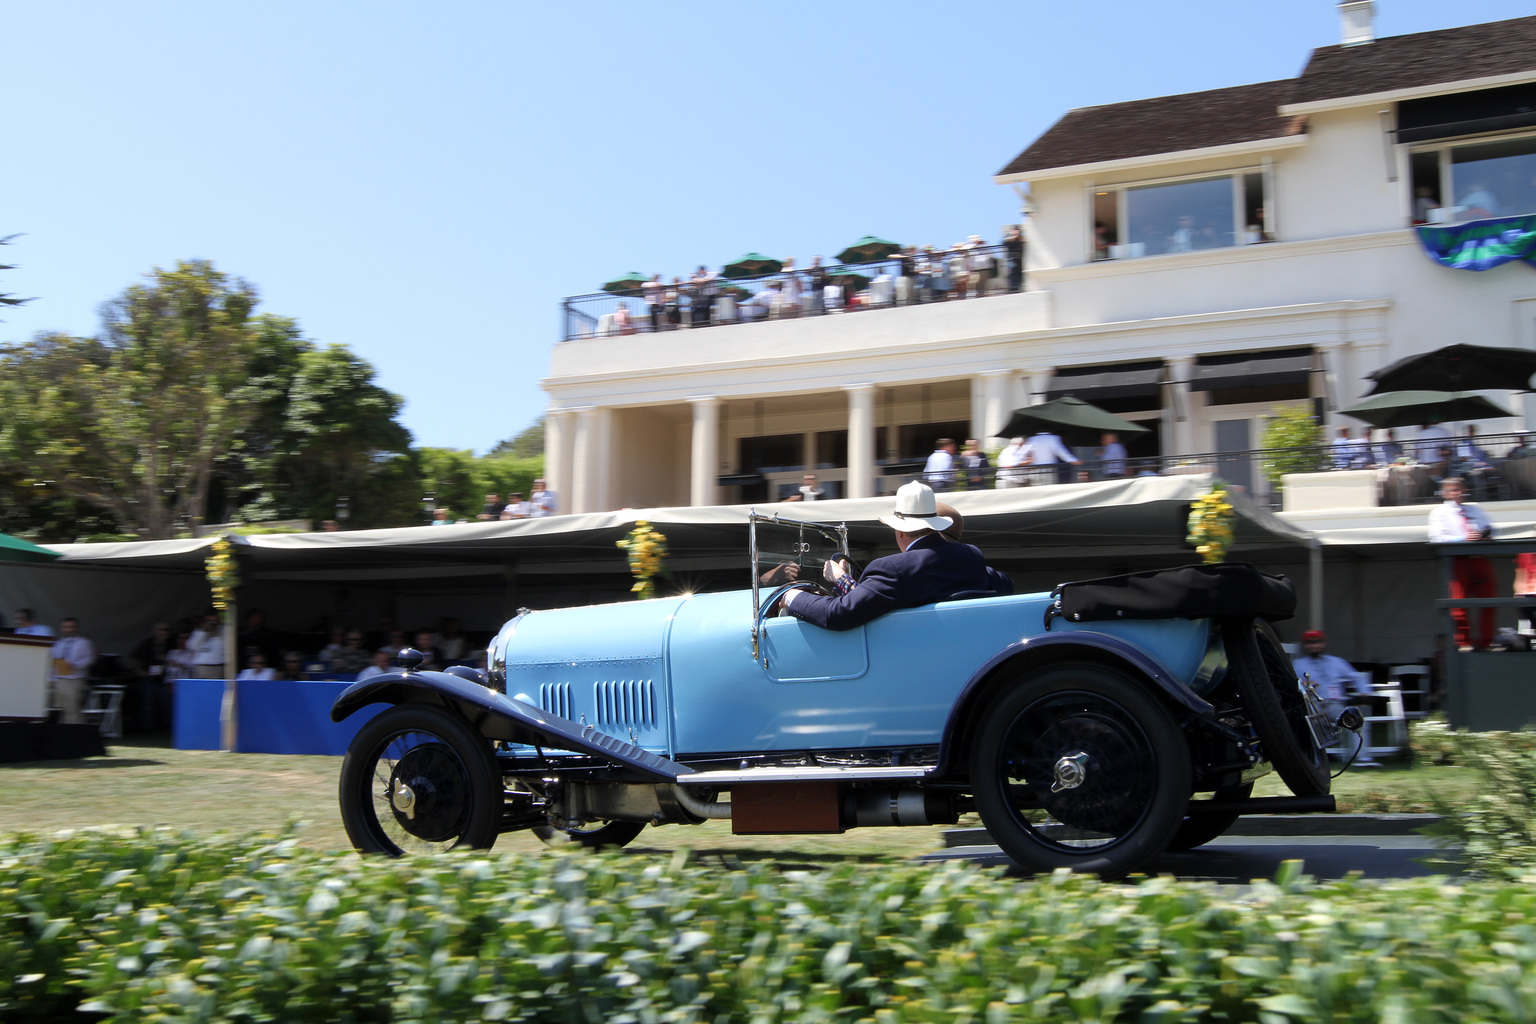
[1186, 592]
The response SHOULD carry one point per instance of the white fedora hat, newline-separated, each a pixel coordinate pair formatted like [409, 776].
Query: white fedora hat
[916, 509]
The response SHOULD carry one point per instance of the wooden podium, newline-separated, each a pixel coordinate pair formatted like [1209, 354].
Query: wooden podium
[24, 676]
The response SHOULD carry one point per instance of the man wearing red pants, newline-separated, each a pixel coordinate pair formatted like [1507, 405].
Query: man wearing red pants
[1456, 521]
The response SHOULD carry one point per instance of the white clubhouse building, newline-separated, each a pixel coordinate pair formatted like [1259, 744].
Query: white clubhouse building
[1193, 261]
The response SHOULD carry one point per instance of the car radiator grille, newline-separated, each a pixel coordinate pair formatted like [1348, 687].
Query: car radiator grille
[629, 702]
[556, 698]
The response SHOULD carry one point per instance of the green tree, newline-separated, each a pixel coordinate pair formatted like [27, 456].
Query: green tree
[526, 444]
[1296, 442]
[134, 422]
[339, 432]
[7, 298]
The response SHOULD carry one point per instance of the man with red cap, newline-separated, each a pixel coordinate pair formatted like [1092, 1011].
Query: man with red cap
[1336, 679]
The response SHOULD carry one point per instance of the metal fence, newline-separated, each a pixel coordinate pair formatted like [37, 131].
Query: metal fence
[924, 277]
[1498, 467]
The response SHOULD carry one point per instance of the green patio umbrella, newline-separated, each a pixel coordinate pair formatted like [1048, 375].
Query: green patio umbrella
[753, 264]
[868, 249]
[629, 284]
[14, 549]
[860, 281]
[1409, 408]
[1077, 421]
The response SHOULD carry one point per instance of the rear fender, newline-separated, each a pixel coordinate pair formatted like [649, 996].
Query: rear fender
[499, 717]
[1039, 651]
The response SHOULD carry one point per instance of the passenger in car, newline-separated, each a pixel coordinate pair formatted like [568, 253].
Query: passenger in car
[929, 567]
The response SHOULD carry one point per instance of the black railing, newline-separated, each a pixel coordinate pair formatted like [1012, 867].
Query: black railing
[1502, 467]
[899, 280]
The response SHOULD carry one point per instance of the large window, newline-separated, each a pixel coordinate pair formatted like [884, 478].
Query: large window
[1179, 216]
[1470, 181]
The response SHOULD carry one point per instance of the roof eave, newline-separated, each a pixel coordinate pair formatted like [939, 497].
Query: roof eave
[1413, 93]
[1235, 149]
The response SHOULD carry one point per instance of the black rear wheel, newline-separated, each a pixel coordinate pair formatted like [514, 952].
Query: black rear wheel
[1278, 705]
[1078, 766]
[418, 779]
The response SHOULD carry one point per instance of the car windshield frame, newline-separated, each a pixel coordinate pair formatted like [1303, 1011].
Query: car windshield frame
[806, 553]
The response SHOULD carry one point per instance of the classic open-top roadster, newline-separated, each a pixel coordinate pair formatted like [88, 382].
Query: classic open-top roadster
[1091, 727]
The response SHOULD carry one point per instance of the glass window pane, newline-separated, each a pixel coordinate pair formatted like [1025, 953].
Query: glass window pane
[1182, 216]
[1494, 179]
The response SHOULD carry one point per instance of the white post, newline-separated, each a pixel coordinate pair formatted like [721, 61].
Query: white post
[993, 410]
[590, 460]
[704, 467]
[559, 441]
[861, 440]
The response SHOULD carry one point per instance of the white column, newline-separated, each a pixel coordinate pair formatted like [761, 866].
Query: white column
[559, 444]
[990, 413]
[1037, 381]
[590, 460]
[704, 464]
[1179, 415]
[861, 440]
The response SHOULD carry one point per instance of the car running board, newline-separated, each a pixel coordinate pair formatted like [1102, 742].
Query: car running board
[806, 773]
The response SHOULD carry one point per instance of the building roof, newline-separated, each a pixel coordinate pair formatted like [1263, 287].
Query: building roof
[1417, 60]
[1166, 124]
[1250, 113]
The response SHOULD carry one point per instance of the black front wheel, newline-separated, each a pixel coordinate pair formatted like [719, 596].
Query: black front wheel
[418, 779]
[1080, 766]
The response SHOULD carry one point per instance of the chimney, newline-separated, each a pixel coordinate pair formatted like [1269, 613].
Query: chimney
[1357, 19]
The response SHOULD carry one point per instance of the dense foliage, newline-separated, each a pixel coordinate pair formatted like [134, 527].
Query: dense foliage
[150, 926]
[192, 406]
[1494, 832]
[1295, 443]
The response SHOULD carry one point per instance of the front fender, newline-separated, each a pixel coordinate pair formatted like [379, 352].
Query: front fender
[499, 717]
[1041, 650]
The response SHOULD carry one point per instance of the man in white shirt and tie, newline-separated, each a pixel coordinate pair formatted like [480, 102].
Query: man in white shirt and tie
[1455, 521]
[72, 658]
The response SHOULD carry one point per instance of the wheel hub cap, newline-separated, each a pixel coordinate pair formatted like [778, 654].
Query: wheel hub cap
[404, 800]
[1071, 772]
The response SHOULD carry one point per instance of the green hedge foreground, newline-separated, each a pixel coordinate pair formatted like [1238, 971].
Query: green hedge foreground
[153, 926]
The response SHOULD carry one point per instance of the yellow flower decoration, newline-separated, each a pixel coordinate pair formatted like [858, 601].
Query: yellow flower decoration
[1211, 521]
[223, 575]
[647, 550]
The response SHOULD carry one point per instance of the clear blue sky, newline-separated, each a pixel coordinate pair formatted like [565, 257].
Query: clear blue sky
[424, 182]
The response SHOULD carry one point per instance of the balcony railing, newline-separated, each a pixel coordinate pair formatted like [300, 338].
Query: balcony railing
[897, 281]
[1503, 469]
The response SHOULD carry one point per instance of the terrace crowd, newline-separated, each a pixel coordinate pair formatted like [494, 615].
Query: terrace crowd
[911, 275]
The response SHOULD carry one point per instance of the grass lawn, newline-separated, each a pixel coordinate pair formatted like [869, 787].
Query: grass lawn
[206, 791]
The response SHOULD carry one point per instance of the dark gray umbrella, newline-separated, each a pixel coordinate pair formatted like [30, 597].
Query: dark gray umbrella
[753, 264]
[1072, 418]
[1407, 408]
[1459, 368]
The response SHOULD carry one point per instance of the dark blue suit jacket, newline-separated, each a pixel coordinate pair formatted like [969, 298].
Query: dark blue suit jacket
[930, 570]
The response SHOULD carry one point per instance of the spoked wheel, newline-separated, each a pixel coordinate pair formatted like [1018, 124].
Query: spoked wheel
[418, 779]
[1077, 766]
[606, 835]
[1199, 829]
[1278, 706]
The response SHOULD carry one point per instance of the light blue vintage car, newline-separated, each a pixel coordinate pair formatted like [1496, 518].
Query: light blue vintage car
[1092, 727]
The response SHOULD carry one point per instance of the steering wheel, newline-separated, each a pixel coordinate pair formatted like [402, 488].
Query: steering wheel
[778, 593]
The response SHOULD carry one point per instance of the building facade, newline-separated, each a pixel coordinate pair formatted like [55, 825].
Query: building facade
[1194, 261]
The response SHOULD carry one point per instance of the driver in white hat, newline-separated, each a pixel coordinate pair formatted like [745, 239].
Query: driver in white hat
[928, 568]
